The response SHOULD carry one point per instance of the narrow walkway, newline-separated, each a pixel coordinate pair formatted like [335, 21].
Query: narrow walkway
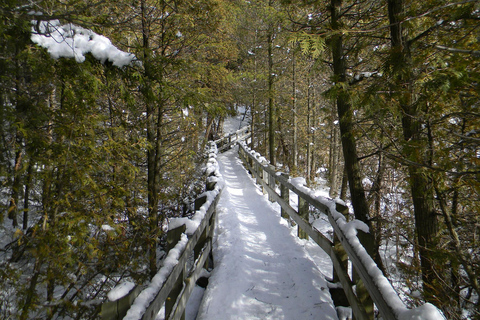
[261, 270]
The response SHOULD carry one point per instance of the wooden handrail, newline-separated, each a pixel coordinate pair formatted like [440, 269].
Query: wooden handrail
[174, 283]
[382, 293]
[226, 142]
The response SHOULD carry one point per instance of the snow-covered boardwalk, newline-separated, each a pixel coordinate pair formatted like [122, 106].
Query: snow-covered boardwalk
[261, 270]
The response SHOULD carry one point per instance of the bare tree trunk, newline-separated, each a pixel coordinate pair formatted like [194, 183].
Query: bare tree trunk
[31, 291]
[26, 199]
[271, 100]
[333, 156]
[352, 165]
[309, 133]
[14, 200]
[421, 184]
[315, 124]
[153, 140]
[295, 116]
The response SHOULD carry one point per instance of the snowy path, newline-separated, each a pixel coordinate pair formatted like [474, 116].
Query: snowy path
[261, 270]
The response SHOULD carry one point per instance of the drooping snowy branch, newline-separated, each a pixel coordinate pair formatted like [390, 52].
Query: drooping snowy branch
[71, 41]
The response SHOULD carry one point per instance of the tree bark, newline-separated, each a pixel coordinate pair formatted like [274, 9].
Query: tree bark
[271, 100]
[295, 115]
[309, 134]
[421, 185]
[26, 201]
[345, 115]
[153, 144]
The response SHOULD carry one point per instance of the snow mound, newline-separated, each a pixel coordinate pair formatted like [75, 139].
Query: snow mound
[71, 41]
[120, 291]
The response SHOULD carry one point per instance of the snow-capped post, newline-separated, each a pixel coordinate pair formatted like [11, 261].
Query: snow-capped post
[303, 211]
[119, 300]
[173, 236]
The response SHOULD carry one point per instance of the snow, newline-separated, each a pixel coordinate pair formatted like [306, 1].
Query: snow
[232, 124]
[71, 41]
[424, 312]
[261, 270]
[120, 291]
[106, 227]
[344, 313]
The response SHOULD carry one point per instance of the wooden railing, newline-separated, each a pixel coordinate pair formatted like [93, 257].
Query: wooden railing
[345, 245]
[231, 139]
[189, 248]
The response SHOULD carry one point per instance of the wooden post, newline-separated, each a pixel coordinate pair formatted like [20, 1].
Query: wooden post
[285, 195]
[264, 178]
[209, 264]
[173, 236]
[303, 211]
[116, 310]
[271, 183]
[362, 292]
[172, 298]
[337, 246]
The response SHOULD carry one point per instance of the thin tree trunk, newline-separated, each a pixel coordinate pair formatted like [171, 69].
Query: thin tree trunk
[422, 189]
[315, 122]
[152, 138]
[345, 115]
[254, 97]
[352, 165]
[31, 292]
[26, 201]
[344, 186]
[309, 133]
[271, 101]
[14, 200]
[334, 156]
[295, 116]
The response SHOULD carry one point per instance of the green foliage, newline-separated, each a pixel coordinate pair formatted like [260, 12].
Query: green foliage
[310, 44]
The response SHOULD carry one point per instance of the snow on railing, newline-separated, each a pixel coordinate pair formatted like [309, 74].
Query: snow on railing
[378, 286]
[175, 280]
[226, 142]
